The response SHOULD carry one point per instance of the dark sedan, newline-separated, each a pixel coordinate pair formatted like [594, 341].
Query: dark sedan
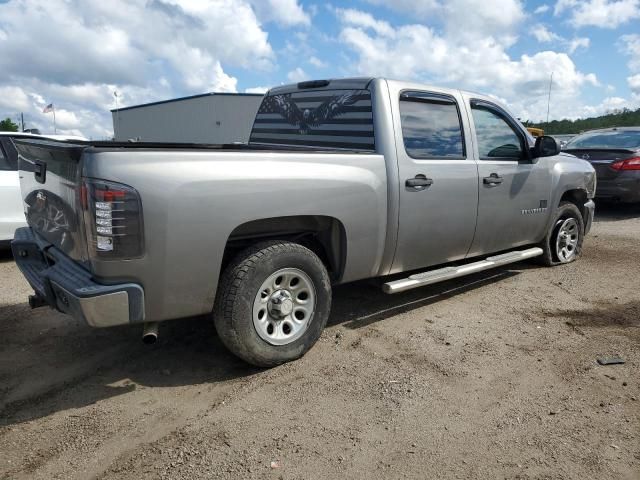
[615, 155]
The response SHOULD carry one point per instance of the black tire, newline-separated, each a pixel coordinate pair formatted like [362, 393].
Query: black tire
[550, 257]
[240, 284]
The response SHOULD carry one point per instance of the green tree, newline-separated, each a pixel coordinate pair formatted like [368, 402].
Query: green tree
[615, 118]
[7, 125]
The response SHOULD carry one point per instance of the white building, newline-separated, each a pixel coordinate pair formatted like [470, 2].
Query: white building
[205, 118]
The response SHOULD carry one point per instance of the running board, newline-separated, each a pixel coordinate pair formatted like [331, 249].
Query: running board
[447, 273]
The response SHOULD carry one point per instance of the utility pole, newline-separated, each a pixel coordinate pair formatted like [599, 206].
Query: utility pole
[22, 120]
[549, 98]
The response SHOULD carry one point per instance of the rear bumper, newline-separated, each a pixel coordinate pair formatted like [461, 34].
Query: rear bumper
[64, 285]
[624, 188]
[589, 211]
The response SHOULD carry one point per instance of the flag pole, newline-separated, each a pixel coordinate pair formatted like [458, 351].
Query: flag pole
[55, 129]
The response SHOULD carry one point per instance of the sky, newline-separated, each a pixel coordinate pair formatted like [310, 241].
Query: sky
[77, 53]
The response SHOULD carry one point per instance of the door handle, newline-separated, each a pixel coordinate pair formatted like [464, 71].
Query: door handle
[493, 179]
[419, 182]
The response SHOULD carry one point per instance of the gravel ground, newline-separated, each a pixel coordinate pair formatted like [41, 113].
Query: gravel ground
[492, 376]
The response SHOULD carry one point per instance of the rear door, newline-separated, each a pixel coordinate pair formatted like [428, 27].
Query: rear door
[438, 179]
[11, 211]
[514, 192]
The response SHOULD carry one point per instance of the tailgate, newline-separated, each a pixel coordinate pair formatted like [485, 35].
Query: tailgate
[50, 182]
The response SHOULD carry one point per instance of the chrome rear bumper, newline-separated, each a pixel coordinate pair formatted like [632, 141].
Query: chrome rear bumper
[66, 286]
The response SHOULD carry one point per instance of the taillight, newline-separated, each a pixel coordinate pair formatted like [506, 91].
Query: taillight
[113, 220]
[627, 164]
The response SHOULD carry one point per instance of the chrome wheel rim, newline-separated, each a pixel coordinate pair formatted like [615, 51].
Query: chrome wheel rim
[284, 306]
[567, 240]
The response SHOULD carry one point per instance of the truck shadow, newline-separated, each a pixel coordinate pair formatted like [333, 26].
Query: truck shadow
[50, 363]
[613, 212]
[5, 252]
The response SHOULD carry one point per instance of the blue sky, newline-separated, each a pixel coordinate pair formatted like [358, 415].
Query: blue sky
[76, 53]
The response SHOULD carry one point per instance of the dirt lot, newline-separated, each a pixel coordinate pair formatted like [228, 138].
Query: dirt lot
[494, 376]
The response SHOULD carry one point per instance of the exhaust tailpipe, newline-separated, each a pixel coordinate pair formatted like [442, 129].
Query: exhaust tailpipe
[150, 333]
[36, 301]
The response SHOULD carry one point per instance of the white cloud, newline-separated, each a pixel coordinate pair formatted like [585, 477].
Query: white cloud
[256, 90]
[287, 13]
[631, 47]
[364, 20]
[75, 53]
[419, 8]
[599, 13]
[13, 98]
[479, 63]
[543, 34]
[316, 62]
[578, 42]
[634, 83]
[297, 75]
[542, 9]
[466, 18]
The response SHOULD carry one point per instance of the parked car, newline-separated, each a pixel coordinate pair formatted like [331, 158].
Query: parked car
[11, 209]
[563, 139]
[342, 180]
[615, 155]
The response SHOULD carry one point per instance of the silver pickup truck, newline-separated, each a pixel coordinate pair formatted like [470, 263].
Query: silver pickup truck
[342, 180]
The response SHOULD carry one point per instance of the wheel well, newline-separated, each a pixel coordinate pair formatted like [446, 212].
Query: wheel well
[323, 235]
[578, 197]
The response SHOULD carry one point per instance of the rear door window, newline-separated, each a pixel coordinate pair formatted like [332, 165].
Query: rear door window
[317, 118]
[431, 126]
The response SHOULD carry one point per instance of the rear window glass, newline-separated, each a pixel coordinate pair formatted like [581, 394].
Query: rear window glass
[321, 118]
[431, 129]
[613, 139]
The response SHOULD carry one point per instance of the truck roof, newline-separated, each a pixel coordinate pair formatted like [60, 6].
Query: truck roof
[357, 83]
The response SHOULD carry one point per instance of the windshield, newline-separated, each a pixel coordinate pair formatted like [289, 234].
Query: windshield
[609, 139]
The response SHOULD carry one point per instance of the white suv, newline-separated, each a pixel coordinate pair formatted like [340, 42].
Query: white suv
[11, 208]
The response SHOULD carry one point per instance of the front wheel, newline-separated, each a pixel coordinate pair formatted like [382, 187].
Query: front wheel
[563, 242]
[273, 302]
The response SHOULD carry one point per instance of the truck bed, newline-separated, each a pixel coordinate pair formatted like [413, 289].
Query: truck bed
[253, 147]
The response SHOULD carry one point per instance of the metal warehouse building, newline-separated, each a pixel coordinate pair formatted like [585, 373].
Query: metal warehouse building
[205, 118]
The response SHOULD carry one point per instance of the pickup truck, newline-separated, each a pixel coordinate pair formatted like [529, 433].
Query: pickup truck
[341, 180]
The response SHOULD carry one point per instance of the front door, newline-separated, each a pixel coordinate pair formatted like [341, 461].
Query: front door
[438, 180]
[514, 190]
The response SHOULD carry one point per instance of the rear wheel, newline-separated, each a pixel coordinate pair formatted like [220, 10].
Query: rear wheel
[273, 303]
[563, 242]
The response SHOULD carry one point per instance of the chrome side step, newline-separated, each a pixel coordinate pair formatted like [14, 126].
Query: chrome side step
[447, 273]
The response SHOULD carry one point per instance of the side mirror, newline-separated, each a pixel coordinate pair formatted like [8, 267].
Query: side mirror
[546, 146]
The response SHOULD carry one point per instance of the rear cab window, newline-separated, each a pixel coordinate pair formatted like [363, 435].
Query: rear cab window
[340, 118]
[431, 126]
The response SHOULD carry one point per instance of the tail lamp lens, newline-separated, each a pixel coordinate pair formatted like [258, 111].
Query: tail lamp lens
[113, 219]
[627, 164]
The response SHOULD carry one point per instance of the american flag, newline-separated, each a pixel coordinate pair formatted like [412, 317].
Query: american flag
[48, 108]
